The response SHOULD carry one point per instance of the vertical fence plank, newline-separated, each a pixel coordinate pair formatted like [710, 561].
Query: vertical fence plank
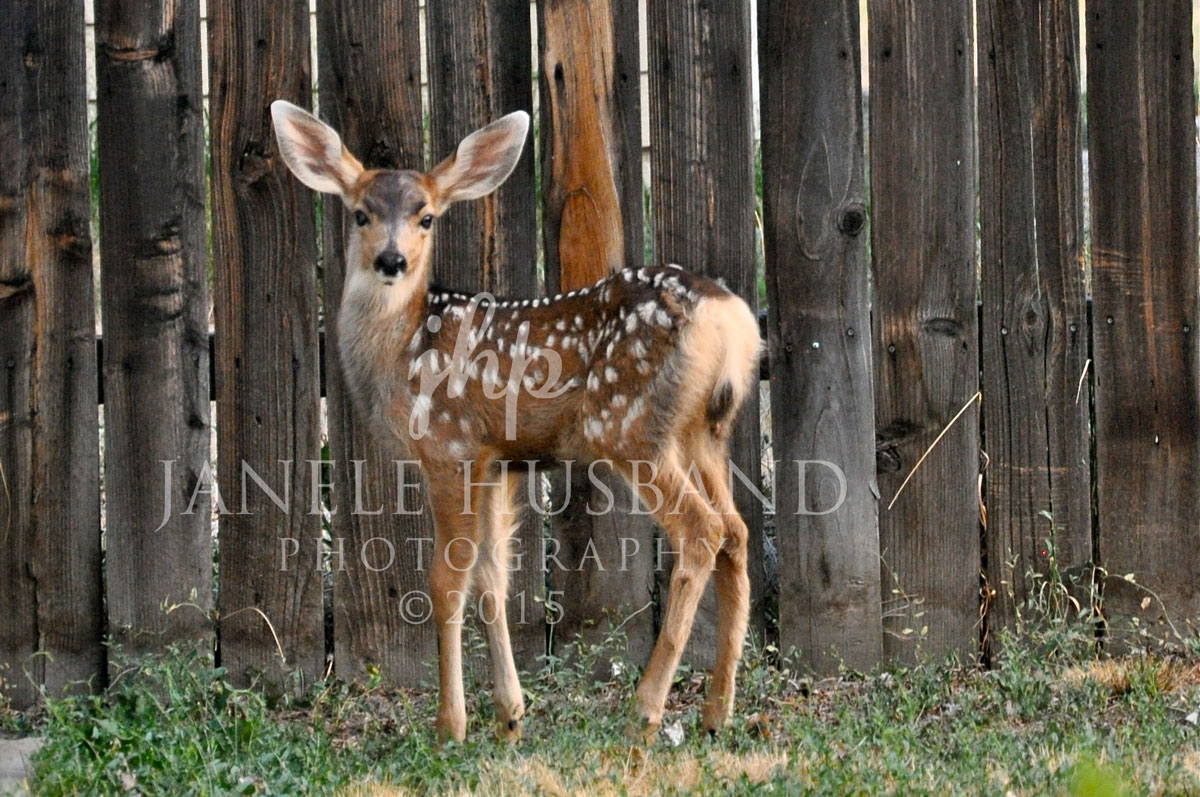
[815, 234]
[370, 61]
[702, 181]
[925, 324]
[150, 135]
[1142, 137]
[49, 508]
[593, 225]
[266, 314]
[1035, 341]
[480, 68]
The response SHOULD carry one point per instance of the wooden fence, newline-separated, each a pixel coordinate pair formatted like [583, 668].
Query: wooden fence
[942, 313]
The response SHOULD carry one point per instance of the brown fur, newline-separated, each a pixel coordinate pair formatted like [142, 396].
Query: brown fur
[655, 364]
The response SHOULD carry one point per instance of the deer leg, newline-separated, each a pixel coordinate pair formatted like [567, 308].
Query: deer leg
[491, 577]
[455, 552]
[694, 531]
[732, 583]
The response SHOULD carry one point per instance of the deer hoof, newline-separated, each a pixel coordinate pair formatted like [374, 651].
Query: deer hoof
[508, 730]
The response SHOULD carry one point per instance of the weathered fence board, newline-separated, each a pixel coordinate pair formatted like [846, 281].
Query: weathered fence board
[150, 137]
[480, 68]
[370, 79]
[266, 331]
[926, 355]
[1142, 137]
[592, 223]
[702, 180]
[1035, 343]
[815, 235]
[50, 582]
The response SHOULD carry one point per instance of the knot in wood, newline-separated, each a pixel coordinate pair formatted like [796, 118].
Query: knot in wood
[254, 163]
[852, 219]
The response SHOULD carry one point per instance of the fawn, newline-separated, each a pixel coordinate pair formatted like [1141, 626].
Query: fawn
[647, 366]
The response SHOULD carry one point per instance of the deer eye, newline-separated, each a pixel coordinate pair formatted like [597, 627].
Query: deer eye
[427, 222]
[360, 218]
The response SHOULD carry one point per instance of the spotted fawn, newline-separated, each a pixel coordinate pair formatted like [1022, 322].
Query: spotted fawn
[645, 369]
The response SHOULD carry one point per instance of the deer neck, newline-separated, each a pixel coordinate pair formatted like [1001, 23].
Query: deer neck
[376, 324]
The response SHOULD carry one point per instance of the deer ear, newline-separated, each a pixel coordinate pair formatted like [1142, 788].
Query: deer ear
[313, 150]
[482, 161]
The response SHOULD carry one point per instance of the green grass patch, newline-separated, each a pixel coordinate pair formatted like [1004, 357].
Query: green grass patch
[1049, 716]
[1036, 723]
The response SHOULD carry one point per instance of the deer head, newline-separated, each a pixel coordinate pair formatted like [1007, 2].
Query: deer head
[394, 210]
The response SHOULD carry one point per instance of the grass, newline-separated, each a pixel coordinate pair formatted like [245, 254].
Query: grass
[1049, 717]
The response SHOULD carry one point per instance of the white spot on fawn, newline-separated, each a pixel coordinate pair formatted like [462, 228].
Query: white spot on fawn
[611, 374]
[593, 381]
[635, 410]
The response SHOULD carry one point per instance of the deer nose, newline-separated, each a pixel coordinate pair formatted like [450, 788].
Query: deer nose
[390, 263]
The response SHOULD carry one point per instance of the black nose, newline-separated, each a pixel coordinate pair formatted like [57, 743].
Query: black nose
[390, 263]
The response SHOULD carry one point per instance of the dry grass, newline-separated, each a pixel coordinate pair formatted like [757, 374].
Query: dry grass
[1118, 676]
[623, 771]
